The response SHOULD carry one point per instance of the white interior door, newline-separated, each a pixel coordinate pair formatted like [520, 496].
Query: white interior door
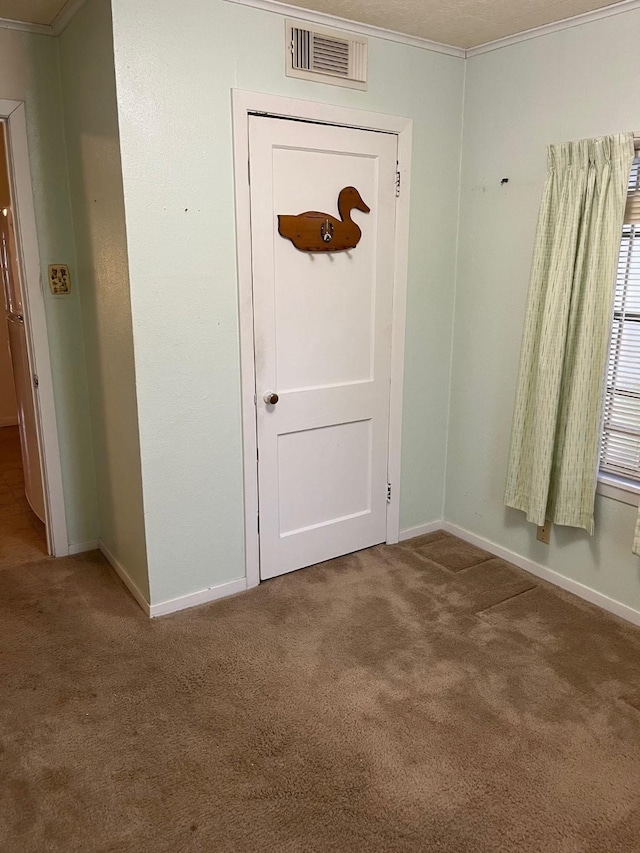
[322, 325]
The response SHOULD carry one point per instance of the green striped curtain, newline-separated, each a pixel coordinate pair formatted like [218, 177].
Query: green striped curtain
[555, 438]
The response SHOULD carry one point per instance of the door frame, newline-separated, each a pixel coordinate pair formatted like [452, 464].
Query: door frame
[35, 321]
[245, 104]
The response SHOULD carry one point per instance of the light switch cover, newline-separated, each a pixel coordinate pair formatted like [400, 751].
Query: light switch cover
[59, 279]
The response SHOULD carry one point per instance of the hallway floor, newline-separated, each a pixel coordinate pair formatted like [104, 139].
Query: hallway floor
[417, 698]
[22, 534]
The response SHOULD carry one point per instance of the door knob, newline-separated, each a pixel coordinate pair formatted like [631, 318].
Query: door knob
[270, 398]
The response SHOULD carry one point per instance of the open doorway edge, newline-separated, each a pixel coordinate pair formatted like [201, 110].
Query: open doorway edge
[13, 113]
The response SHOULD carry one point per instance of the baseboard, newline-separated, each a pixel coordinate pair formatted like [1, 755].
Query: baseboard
[125, 577]
[223, 590]
[81, 547]
[11, 421]
[212, 593]
[540, 571]
[421, 530]
[163, 608]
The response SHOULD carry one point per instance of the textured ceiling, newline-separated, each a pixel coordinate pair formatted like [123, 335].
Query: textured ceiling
[32, 11]
[464, 23]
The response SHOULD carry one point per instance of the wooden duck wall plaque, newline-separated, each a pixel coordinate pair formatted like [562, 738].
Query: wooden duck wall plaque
[313, 231]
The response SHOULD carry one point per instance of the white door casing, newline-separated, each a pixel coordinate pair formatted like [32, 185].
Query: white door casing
[244, 105]
[322, 326]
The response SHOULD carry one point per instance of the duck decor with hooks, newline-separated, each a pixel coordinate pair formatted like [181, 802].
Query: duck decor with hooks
[320, 232]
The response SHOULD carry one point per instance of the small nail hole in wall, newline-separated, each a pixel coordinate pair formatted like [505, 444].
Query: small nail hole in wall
[504, 181]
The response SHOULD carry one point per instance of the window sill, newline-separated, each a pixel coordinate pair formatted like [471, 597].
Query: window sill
[618, 488]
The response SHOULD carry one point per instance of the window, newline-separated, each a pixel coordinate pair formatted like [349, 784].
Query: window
[620, 448]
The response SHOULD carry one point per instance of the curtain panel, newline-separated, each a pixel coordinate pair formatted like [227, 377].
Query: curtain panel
[555, 439]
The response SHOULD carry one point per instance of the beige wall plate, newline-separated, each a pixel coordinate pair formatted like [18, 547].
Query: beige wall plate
[543, 533]
[59, 279]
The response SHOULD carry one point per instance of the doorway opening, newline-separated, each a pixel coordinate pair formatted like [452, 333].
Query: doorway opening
[23, 532]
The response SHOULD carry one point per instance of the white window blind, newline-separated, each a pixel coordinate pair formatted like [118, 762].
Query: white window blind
[620, 449]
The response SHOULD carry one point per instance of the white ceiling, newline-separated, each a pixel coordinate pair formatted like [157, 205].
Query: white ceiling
[463, 23]
[31, 11]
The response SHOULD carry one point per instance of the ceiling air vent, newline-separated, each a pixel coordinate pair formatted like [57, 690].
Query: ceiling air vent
[326, 56]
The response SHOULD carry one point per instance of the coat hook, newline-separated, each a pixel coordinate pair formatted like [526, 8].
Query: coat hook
[326, 231]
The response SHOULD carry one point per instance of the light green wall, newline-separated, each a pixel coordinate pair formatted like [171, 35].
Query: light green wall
[91, 123]
[175, 67]
[29, 72]
[567, 85]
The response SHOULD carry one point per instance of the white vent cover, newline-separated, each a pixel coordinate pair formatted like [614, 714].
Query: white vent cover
[326, 56]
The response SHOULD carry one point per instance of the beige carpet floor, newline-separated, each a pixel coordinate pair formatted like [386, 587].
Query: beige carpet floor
[420, 697]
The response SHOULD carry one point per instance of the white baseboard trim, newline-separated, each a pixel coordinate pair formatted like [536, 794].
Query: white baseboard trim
[81, 547]
[222, 590]
[163, 608]
[125, 577]
[421, 530]
[540, 571]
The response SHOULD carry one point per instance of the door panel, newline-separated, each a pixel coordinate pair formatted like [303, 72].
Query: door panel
[320, 303]
[322, 343]
[338, 489]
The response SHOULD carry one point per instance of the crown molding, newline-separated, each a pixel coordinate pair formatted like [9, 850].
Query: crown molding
[323, 19]
[59, 25]
[71, 7]
[555, 27]
[326, 20]
[64, 16]
[25, 27]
